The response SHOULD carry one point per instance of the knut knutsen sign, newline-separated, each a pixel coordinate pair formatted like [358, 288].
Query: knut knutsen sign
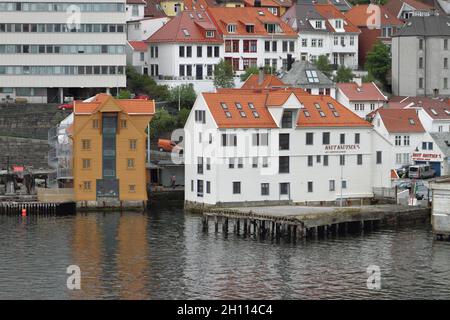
[417, 156]
[341, 148]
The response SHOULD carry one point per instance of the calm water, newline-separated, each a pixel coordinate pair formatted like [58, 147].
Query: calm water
[165, 255]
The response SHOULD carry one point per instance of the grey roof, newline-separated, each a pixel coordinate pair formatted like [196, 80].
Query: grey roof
[425, 26]
[442, 139]
[298, 15]
[342, 5]
[297, 76]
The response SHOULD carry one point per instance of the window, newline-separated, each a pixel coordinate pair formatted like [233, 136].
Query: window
[313, 42]
[310, 186]
[250, 28]
[342, 138]
[344, 184]
[132, 144]
[445, 86]
[200, 116]
[420, 83]
[445, 63]
[200, 165]
[229, 140]
[86, 164]
[192, 185]
[420, 63]
[236, 187]
[286, 121]
[406, 140]
[95, 124]
[199, 188]
[283, 164]
[357, 138]
[210, 34]
[208, 187]
[264, 189]
[86, 144]
[310, 161]
[309, 138]
[284, 188]
[255, 162]
[398, 140]
[131, 188]
[325, 160]
[231, 163]
[265, 162]
[240, 164]
[231, 28]
[338, 24]
[189, 51]
[379, 157]
[123, 123]
[86, 185]
[284, 141]
[420, 44]
[181, 51]
[445, 44]
[318, 24]
[130, 163]
[304, 42]
[260, 139]
[342, 160]
[199, 51]
[359, 159]
[325, 138]
[318, 159]
[332, 185]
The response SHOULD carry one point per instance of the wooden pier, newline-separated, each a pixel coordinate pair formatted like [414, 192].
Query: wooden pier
[36, 208]
[292, 222]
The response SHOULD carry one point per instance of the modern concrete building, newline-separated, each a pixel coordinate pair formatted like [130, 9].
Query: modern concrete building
[420, 57]
[51, 50]
[280, 146]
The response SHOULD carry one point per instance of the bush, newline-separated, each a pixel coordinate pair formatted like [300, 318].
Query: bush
[183, 95]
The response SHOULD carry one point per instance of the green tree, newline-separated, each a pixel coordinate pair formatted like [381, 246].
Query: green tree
[223, 75]
[378, 62]
[124, 94]
[162, 122]
[368, 78]
[324, 65]
[182, 117]
[143, 84]
[248, 72]
[183, 95]
[343, 74]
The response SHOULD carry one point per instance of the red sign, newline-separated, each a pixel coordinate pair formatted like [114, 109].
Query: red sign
[18, 168]
[341, 148]
[426, 156]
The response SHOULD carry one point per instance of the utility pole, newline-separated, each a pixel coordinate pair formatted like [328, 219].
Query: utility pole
[342, 169]
[148, 143]
[179, 98]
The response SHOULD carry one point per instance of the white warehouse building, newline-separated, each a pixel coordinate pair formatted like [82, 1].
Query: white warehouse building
[53, 49]
[280, 146]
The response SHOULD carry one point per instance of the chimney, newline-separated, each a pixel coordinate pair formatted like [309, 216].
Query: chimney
[257, 3]
[358, 81]
[290, 61]
[261, 76]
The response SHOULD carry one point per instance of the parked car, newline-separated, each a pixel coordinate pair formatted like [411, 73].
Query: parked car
[66, 106]
[421, 171]
[403, 171]
[169, 146]
[141, 97]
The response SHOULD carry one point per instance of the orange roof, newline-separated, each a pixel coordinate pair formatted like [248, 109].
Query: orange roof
[401, 120]
[188, 26]
[128, 106]
[243, 16]
[329, 11]
[359, 15]
[333, 115]
[138, 46]
[269, 80]
[264, 3]
[368, 91]
[394, 6]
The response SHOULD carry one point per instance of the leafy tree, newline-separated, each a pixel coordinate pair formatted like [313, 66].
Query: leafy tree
[324, 65]
[248, 72]
[368, 78]
[162, 122]
[124, 94]
[378, 62]
[184, 95]
[182, 117]
[223, 75]
[143, 84]
[343, 74]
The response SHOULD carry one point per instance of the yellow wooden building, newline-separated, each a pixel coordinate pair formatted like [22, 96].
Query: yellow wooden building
[109, 149]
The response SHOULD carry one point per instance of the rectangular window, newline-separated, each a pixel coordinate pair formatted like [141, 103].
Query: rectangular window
[199, 188]
[260, 139]
[200, 165]
[325, 160]
[342, 160]
[265, 162]
[255, 162]
[379, 157]
[344, 184]
[132, 188]
[199, 51]
[130, 163]
[283, 164]
[310, 138]
[357, 138]
[208, 163]
[86, 164]
[236, 187]
[133, 144]
[123, 123]
[208, 187]
[284, 188]
[95, 124]
[342, 138]
[231, 163]
[359, 159]
[229, 140]
[398, 140]
[284, 141]
[87, 185]
[325, 138]
[332, 185]
[310, 186]
[286, 121]
[264, 189]
[240, 163]
[406, 140]
[181, 51]
[86, 144]
[310, 161]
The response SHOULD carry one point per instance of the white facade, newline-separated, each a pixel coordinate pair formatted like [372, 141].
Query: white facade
[135, 11]
[40, 55]
[314, 171]
[433, 125]
[140, 30]
[138, 59]
[361, 108]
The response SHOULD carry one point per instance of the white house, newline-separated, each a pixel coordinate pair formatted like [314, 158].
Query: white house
[47, 54]
[140, 30]
[185, 50]
[323, 30]
[135, 9]
[435, 151]
[280, 146]
[404, 131]
[361, 98]
[254, 37]
[138, 55]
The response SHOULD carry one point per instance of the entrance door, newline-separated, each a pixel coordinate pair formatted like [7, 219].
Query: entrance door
[436, 166]
[146, 71]
[199, 72]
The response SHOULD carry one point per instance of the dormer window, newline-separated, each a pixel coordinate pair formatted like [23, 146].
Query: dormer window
[272, 28]
[186, 32]
[338, 24]
[273, 10]
[210, 34]
[318, 24]
[231, 28]
[250, 28]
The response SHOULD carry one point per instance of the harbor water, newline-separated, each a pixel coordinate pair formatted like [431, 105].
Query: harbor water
[165, 254]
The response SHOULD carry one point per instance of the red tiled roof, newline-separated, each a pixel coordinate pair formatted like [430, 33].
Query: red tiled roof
[129, 106]
[399, 120]
[154, 10]
[368, 91]
[248, 16]
[435, 108]
[329, 11]
[195, 4]
[194, 22]
[269, 81]
[360, 16]
[138, 46]
[262, 100]
[264, 3]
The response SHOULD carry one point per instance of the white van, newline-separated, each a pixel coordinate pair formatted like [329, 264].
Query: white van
[421, 171]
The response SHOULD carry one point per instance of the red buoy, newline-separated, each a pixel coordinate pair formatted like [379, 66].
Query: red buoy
[24, 212]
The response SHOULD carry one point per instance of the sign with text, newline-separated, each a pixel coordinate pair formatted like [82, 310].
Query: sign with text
[418, 156]
[341, 148]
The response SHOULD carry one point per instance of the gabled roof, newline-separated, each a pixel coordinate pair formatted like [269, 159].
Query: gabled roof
[140, 46]
[435, 108]
[394, 6]
[401, 120]
[128, 106]
[360, 16]
[188, 26]
[298, 76]
[341, 5]
[270, 3]
[315, 111]
[153, 9]
[368, 91]
[425, 26]
[248, 16]
[269, 81]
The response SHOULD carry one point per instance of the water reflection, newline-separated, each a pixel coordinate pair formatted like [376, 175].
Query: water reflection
[166, 255]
